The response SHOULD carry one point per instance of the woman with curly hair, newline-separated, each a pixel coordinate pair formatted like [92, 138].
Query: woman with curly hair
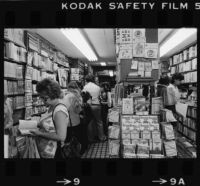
[50, 92]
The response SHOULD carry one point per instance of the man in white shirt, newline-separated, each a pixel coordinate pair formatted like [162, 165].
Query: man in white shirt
[95, 91]
[176, 81]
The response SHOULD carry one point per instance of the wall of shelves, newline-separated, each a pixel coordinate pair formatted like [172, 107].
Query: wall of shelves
[188, 126]
[185, 62]
[28, 58]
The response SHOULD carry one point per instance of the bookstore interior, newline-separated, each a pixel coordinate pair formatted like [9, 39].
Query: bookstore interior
[151, 89]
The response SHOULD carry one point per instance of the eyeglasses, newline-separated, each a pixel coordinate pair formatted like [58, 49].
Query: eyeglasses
[44, 98]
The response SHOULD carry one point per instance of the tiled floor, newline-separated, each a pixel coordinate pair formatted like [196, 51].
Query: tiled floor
[97, 150]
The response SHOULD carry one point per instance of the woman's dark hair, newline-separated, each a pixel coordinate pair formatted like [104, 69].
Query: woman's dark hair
[177, 76]
[105, 86]
[86, 96]
[49, 87]
[164, 80]
[89, 78]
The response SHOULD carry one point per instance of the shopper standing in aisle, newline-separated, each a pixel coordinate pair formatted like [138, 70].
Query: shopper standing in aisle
[86, 117]
[162, 84]
[50, 92]
[94, 91]
[173, 92]
[73, 101]
[104, 105]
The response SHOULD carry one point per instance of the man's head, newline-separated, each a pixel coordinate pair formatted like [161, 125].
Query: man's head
[89, 78]
[177, 78]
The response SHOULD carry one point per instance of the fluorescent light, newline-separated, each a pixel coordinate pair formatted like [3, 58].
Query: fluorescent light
[181, 35]
[111, 73]
[103, 64]
[77, 39]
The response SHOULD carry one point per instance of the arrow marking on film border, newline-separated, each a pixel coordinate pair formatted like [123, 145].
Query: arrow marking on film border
[65, 181]
[161, 181]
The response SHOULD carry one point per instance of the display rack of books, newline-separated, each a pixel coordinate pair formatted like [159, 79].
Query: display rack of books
[185, 62]
[139, 136]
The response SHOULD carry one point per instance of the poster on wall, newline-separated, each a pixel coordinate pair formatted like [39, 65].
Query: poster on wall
[148, 67]
[134, 65]
[126, 46]
[125, 35]
[139, 36]
[138, 49]
[155, 64]
[141, 66]
[125, 54]
[151, 50]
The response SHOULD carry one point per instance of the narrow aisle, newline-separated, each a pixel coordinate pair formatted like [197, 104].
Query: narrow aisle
[97, 150]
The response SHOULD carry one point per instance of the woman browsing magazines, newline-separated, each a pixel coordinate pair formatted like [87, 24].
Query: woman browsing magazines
[50, 92]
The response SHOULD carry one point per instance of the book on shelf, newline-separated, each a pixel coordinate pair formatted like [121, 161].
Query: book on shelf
[13, 70]
[25, 126]
[8, 34]
[33, 42]
[28, 85]
[62, 76]
[30, 58]
[28, 97]
[194, 64]
[28, 112]
[19, 71]
[29, 72]
[18, 35]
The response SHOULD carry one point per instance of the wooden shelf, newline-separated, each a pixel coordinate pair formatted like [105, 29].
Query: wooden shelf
[194, 130]
[19, 108]
[186, 136]
[9, 40]
[183, 61]
[14, 61]
[12, 95]
[13, 78]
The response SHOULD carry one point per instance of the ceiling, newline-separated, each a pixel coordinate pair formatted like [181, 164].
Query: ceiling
[101, 40]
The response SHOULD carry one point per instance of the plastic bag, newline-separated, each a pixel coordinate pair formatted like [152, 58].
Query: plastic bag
[46, 148]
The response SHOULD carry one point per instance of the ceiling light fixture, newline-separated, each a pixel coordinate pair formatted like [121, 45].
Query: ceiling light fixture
[181, 35]
[77, 39]
[103, 64]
